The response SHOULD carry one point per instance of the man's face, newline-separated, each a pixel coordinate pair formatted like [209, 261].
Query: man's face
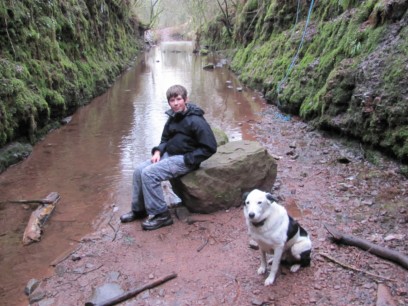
[177, 104]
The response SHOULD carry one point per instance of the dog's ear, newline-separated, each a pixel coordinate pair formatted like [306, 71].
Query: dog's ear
[270, 197]
[244, 196]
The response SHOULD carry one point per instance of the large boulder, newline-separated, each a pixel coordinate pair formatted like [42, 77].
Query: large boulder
[237, 167]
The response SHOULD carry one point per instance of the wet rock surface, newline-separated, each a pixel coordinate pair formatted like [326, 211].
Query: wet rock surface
[322, 181]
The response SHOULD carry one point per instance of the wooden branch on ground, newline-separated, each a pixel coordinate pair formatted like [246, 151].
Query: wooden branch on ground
[203, 245]
[365, 245]
[132, 293]
[353, 268]
[33, 231]
[115, 231]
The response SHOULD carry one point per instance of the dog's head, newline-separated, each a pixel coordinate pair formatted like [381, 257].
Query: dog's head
[257, 205]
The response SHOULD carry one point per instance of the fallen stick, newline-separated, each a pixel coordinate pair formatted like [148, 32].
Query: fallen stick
[354, 268]
[203, 245]
[365, 245]
[130, 294]
[115, 231]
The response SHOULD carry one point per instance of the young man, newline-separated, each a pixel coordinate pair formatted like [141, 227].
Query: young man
[187, 140]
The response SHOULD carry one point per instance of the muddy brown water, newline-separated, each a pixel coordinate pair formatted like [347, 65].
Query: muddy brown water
[89, 161]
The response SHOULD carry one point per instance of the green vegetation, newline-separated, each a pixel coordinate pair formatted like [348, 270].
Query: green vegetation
[57, 55]
[348, 75]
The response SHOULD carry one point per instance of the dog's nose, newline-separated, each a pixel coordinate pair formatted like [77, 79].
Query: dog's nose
[251, 215]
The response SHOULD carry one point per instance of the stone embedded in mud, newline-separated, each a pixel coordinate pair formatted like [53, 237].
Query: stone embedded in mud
[105, 292]
[218, 184]
[36, 296]
[31, 286]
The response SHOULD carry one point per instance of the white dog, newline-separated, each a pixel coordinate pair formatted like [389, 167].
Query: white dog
[275, 231]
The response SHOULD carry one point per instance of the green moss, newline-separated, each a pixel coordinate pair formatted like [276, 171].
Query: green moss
[56, 56]
[349, 44]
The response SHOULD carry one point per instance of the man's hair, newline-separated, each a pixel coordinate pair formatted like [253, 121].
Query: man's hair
[176, 90]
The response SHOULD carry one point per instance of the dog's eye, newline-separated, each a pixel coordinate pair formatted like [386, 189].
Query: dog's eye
[260, 202]
[246, 203]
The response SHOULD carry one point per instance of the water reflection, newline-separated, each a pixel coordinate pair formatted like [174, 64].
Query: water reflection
[90, 160]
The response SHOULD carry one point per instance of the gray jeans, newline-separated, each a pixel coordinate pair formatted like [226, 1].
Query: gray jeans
[147, 177]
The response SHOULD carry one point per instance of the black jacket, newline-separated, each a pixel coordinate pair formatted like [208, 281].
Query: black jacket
[188, 134]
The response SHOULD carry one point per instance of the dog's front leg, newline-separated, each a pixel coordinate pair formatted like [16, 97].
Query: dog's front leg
[277, 254]
[262, 268]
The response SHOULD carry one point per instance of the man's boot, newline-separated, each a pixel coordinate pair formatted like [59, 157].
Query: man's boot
[157, 221]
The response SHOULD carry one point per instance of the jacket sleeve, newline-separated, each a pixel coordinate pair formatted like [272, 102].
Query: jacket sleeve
[164, 138]
[206, 143]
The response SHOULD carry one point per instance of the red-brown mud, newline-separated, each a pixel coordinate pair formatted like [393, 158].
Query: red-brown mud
[320, 180]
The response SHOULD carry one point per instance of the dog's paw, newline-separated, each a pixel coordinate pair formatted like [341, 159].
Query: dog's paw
[294, 268]
[261, 270]
[269, 281]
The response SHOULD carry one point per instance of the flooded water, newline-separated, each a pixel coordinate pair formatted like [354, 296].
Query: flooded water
[89, 162]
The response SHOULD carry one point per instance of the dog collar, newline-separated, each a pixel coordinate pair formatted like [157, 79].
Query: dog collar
[260, 223]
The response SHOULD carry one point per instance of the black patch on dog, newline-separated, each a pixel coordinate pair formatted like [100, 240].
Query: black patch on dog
[305, 258]
[270, 197]
[244, 196]
[293, 228]
[303, 232]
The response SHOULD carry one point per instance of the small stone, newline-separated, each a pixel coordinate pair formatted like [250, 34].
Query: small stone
[384, 297]
[253, 244]
[146, 294]
[113, 276]
[394, 237]
[313, 300]
[367, 202]
[60, 270]
[31, 286]
[36, 296]
[47, 302]
[257, 302]
[402, 291]
[367, 286]
[151, 276]
[75, 257]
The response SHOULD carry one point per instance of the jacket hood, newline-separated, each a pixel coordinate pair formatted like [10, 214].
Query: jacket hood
[192, 109]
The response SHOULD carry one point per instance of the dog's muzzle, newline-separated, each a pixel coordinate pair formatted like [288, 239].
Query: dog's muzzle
[251, 215]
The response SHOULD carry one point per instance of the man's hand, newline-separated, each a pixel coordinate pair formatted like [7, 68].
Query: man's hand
[156, 157]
